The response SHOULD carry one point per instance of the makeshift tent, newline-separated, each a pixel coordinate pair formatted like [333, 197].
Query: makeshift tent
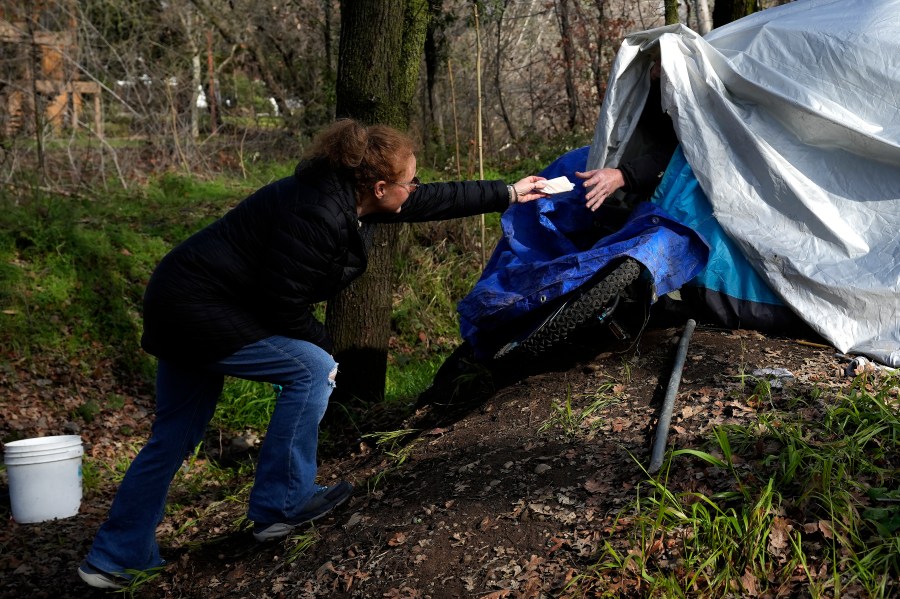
[790, 121]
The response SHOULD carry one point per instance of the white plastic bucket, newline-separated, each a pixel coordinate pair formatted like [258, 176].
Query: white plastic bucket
[44, 477]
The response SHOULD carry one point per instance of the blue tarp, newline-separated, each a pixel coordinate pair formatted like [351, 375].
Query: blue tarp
[547, 251]
[727, 270]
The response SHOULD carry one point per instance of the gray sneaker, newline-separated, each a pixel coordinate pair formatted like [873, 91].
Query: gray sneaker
[100, 579]
[322, 502]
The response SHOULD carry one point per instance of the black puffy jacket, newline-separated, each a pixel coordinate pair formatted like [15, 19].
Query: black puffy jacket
[256, 271]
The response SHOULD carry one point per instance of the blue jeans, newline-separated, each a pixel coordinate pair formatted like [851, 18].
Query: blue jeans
[185, 401]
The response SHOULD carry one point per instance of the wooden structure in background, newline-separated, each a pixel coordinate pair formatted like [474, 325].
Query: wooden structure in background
[39, 44]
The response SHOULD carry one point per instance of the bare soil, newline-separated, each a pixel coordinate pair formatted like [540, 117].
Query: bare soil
[480, 503]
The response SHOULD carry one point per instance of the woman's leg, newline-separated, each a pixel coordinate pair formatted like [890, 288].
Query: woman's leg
[286, 470]
[185, 401]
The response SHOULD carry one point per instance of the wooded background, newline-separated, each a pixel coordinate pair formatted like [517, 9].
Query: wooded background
[96, 93]
[180, 75]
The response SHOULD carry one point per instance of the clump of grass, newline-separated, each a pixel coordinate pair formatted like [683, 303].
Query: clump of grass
[394, 445]
[300, 544]
[572, 419]
[138, 580]
[816, 513]
[90, 476]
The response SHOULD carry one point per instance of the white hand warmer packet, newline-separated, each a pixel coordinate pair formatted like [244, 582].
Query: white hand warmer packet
[557, 185]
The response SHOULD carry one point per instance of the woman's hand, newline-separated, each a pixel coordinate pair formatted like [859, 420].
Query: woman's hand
[604, 182]
[529, 189]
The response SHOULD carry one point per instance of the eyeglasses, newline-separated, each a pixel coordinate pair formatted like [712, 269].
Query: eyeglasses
[411, 186]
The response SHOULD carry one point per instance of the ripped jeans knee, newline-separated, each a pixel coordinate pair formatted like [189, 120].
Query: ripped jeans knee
[332, 376]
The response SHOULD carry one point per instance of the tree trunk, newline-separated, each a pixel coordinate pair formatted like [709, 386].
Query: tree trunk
[327, 35]
[597, 55]
[726, 11]
[378, 66]
[211, 94]
[498, 80]
[187, 21]
[704, 19]
[671, 12]
[568, 48]
[359, 318]
[435, 58]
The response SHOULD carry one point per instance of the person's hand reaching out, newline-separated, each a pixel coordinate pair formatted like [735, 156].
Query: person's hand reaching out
[528, 189]
[603, 183]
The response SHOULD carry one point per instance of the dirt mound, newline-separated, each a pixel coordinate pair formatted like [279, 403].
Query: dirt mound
[507, 495]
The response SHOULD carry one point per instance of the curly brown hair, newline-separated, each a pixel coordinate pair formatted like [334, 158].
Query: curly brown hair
[365, 154]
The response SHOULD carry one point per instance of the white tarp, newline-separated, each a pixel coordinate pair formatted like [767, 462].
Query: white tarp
[790, 119]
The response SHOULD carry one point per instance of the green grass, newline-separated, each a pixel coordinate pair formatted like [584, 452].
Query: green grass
[245, 405]
[407, 378]
[818, 513]
[300, 544]
[573, 420]
[397, 446]
[73, 271]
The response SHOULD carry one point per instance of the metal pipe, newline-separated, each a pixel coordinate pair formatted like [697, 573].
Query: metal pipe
[665, 416]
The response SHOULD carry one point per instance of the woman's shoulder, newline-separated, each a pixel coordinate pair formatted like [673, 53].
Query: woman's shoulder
[309, 188]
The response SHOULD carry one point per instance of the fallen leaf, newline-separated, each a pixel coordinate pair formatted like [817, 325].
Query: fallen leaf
[557, 544]
[355, 519]
[825, 528]
[748, 584]
[779, 534]
[595, 486]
